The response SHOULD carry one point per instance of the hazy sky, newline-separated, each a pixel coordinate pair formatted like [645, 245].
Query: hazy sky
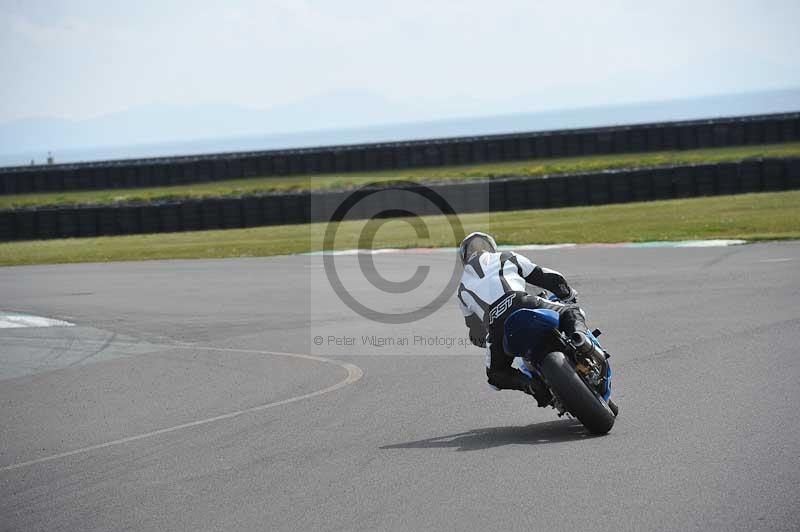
[83, 59]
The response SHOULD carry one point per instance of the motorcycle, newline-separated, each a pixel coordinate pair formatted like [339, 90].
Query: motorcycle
[575, 368]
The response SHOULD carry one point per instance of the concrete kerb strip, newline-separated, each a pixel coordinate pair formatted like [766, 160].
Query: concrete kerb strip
[540, 247]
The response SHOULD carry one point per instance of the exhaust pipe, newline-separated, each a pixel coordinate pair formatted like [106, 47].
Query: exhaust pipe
[581, 342]
[586, 347]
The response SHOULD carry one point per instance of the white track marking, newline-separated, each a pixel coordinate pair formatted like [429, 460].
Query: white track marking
[538, 247]
[544, 247]
[708, 243]
[775, 260]
[13, 320]
[354, 373]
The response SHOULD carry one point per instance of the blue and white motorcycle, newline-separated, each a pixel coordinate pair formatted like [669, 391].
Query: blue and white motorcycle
[576, 369]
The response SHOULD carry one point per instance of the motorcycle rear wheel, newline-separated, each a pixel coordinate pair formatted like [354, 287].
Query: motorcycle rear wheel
[581, 401]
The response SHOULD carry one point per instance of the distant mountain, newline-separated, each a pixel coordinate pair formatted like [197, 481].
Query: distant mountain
[337, 118]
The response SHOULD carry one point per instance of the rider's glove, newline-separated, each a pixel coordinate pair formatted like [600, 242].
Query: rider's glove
[572, 297]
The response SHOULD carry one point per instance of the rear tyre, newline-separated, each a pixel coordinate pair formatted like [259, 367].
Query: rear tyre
[581, 401]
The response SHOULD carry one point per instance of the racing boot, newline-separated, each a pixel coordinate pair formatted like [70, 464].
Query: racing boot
[539, 391]
[514, 379]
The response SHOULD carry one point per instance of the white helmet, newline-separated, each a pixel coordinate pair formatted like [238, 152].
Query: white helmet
[474, 243]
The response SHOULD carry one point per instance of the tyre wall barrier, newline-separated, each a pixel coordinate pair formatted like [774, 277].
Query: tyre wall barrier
[166, 171]
[757, 175]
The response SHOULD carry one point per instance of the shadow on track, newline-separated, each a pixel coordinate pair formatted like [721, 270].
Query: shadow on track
[562, 430]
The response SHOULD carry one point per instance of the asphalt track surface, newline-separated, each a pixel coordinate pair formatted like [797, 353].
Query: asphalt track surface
[168, 405]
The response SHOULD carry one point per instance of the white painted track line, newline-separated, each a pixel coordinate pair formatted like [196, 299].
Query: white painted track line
[354, 373]
[13, 320]
[542, 247]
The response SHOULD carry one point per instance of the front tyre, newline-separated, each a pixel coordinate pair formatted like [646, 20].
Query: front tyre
[578, 398]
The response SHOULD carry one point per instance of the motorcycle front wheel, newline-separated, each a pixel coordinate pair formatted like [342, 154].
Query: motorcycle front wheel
[579, 400]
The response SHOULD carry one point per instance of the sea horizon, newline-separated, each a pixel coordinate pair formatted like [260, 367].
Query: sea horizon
[765, 102]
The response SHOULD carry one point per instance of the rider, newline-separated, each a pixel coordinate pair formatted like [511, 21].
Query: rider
[492, 287]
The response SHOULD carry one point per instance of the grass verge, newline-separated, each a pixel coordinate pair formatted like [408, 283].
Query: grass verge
[764, 216]
[534, 168]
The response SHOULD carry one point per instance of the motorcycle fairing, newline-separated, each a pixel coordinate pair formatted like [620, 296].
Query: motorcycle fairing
[525, 328]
